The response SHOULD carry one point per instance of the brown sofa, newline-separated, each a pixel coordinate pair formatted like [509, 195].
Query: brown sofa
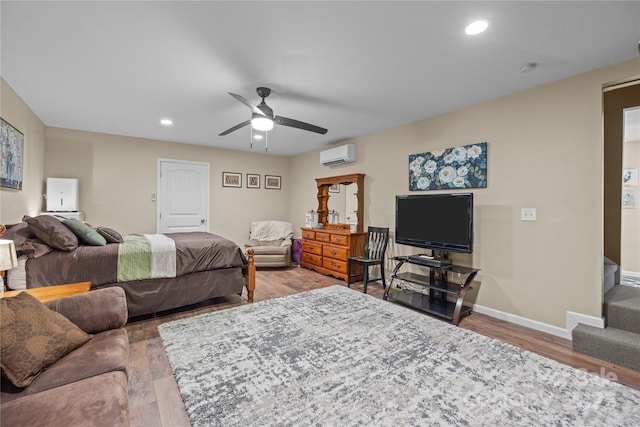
[87, 387]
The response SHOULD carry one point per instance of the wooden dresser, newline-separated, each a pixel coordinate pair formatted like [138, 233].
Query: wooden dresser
[326, 250]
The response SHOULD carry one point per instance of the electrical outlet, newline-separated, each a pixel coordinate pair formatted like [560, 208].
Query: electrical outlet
[528, 214]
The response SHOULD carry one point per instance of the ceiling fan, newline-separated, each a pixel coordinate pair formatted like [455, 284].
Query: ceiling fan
[262, 117]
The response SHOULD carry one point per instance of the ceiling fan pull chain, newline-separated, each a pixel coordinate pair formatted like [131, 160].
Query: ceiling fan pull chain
[251, 138]
[266, 142]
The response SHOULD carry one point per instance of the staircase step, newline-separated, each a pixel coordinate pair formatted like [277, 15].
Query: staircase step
[611, 344]
[622, 308]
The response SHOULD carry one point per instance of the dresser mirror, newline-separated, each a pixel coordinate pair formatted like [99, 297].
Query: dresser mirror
[341, 200]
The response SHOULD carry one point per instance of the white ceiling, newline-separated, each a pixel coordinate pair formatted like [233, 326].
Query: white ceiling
[352, 67]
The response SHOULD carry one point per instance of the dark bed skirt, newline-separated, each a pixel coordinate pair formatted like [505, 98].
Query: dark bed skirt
[154, 295]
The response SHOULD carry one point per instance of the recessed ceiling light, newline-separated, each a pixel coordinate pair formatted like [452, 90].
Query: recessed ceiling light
[166, 122]
[476, 27]
[257, 136]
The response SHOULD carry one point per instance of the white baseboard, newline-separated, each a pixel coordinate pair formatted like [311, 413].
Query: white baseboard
[540, 326]
[574, 318]
[630, 274]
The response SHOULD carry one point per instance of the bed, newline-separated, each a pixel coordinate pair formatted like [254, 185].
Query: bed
[188, 268]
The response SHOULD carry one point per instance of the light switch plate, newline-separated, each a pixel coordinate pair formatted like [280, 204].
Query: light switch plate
[528, 214]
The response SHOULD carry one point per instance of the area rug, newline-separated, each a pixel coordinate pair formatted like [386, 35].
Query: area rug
[337, 357]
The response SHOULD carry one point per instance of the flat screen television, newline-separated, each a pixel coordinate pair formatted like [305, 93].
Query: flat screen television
[440, 222]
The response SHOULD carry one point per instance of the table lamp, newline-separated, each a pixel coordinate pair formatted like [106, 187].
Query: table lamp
[8, 258]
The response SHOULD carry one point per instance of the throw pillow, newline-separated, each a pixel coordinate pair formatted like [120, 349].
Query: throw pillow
[110, 234]
[84, 232]
[52, 232]
[33, 337]
[20, 234]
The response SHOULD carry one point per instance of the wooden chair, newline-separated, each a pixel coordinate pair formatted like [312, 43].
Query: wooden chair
[374, 250]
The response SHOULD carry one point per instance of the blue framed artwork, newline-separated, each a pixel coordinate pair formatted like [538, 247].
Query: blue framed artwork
[11, 156]
[458, 167]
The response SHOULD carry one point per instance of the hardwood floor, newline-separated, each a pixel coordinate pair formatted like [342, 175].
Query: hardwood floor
[154, 398]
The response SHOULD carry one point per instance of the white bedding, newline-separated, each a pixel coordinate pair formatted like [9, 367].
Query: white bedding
[17, 277]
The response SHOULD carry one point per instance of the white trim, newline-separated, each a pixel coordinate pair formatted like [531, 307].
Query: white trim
[574, 318]
[633, 82]
[523, 321]
[630, 274]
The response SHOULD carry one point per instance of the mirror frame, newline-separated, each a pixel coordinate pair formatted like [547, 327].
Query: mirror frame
[323, 196]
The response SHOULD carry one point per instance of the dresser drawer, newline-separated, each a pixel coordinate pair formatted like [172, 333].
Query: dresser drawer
[314, 248]
[340, 239]
[312, 258]
[308, 234]
[334, 252]
[323, 237]
[334, 264]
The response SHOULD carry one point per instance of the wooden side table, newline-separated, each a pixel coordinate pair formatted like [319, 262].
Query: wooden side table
[49, 293]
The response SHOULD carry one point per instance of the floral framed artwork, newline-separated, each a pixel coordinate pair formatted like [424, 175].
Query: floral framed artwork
[231, 179]
[11, 156]
[253, 180]
[272, 182]
[458, 167]
[630, 177]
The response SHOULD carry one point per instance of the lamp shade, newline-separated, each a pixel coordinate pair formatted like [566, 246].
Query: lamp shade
[8, 258]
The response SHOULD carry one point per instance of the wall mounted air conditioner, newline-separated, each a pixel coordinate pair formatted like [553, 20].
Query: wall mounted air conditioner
[338, 155]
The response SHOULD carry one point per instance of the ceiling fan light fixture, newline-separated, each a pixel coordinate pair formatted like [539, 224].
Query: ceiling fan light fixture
[262, 123]
[476, 27]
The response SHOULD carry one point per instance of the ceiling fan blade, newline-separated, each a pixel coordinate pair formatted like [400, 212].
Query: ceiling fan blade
[284, 121]
[236, 127]
[248, 104]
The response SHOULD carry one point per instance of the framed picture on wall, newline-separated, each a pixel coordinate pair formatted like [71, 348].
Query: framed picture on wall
[630, 177]
[231, 179]
[335, 188]
[629, 199]
[253, 180]
[11, 156]
[272, 182]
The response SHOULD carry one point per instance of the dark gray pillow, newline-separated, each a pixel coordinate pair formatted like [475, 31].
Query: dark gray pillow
[110, 234]
[85, 233]
[52, 232]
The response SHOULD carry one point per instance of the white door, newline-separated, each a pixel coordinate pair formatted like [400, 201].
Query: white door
[183, 196]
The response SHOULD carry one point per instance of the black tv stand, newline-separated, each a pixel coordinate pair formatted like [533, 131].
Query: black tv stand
[436, 286]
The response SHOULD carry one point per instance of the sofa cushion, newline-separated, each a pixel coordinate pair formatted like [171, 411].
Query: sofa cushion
[95, 311]
[33, 337]
[52, 232]
[270, 250]
[100, 401]
[255, 243]
[106, 352]
[84, 233]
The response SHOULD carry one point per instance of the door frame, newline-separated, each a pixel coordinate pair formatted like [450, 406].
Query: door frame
[615, 99]
[158, 200]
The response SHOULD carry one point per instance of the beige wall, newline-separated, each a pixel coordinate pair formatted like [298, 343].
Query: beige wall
[630, 234]
[118, 176]
[545, 151]
[15, 203]
[544, 148]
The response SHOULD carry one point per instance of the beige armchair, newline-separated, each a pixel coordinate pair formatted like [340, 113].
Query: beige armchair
[271, 242]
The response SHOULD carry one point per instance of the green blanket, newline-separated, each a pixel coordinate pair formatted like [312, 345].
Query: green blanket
[134, 258]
